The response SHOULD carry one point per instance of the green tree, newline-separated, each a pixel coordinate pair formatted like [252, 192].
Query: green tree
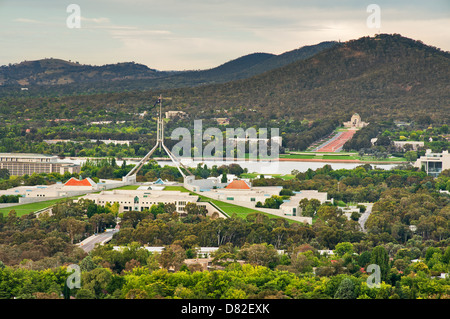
[380, 257]
[346, 290]
[343, 248]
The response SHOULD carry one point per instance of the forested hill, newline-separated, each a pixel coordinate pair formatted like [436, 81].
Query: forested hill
[59, 77]
[381, 77]
[252, 64]
[57, 72]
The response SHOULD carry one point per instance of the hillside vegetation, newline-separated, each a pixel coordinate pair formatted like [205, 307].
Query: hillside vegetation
[55, 76]
[383, 78]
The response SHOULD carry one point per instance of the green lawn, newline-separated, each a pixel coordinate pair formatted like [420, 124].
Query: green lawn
[298, 156]
[256, 175]
[176, 188]
[227, 208]
[240, 211]
[25, 209]
[344, 156]
[128, 187]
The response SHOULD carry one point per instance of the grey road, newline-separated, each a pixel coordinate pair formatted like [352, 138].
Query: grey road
[89, 243]
[362, 220]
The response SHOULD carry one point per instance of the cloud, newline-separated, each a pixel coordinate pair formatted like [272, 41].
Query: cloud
[25, 20]
[95, 20]
[194, 34]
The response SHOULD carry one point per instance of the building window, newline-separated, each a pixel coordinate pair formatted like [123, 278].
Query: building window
[230, 198]
[252, 199]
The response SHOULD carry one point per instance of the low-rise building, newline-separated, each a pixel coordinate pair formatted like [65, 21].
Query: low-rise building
[19, 164]
[291, 207]
[172, 114]
[434, 163]
[355, 122]
[241, 192]
[139, 200]
[414, 145]
[73, 187]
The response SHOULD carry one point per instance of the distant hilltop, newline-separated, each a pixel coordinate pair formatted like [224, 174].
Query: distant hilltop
[57, 72]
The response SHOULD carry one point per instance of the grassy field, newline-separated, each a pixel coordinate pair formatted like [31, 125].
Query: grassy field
[176, 188]
[128, 187]
[227, 208]
[255, 175]
[25, 209]
[341, 157]
[231, 209]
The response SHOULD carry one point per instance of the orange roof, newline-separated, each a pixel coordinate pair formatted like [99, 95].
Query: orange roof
[238, 184]
[76, 182]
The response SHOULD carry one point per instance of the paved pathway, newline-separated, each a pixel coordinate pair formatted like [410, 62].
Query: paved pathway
[335, 144]
[89, 243]
[362, 220]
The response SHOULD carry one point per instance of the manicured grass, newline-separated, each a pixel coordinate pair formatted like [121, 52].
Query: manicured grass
[298, 156]
[228, 208]
[285, 176]
[344, 156]
[255, 175]
[231, 209]
[250, 175]
[240, 211]
[25, 209]
[176, 188]
[128, 187]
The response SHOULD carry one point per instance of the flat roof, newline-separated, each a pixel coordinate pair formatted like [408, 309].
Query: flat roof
[28, 155]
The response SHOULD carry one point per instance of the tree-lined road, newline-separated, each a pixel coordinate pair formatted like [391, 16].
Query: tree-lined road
[362, 220]
[89, 243]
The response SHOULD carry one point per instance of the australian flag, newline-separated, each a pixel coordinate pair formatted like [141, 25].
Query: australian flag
[158, 101]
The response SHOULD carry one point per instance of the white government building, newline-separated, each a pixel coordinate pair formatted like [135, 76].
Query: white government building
[434, 163]
[139, 200]
[73, 187]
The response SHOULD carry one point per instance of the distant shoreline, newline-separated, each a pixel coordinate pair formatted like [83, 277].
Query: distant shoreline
[338, 161]
[320, 160]
[297, 160]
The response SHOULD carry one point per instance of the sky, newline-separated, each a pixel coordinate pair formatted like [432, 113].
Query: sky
[201, 34]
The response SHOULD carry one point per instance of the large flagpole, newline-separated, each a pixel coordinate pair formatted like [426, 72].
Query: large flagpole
[160, 143]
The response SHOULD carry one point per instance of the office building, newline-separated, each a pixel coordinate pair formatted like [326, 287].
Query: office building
[19, 164]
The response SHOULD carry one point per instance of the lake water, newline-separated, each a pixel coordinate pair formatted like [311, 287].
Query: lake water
[284, 167]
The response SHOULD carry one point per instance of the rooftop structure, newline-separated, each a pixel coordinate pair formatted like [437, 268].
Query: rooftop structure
[84, 182]
[238, 184]
[131, 176]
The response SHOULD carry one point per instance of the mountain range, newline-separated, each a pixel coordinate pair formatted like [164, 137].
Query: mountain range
[72, 76]
[383, 77]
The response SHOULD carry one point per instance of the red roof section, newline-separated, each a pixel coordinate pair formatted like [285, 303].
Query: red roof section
[238, 184]
[76, 182]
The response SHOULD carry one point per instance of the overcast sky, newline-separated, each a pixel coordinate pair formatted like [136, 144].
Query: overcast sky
[200, 34]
